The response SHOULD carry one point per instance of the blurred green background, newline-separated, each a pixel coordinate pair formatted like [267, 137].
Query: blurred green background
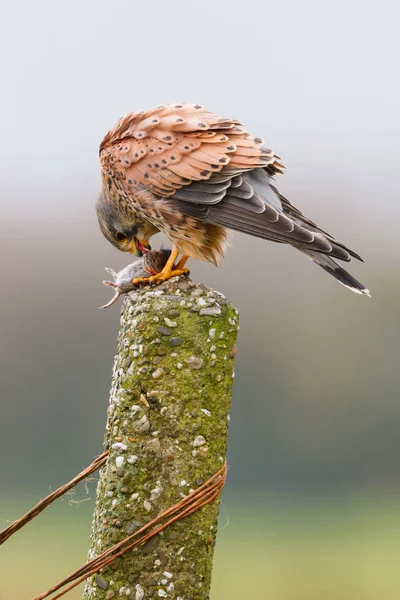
[311, 506]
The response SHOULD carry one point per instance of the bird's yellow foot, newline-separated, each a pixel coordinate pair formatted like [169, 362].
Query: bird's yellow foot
[159, 277]
[169, 270]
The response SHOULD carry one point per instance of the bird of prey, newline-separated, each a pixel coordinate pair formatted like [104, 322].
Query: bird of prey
[191, 174]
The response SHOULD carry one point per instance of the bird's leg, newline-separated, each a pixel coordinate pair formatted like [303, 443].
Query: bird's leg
[168, 271]
[182, 262]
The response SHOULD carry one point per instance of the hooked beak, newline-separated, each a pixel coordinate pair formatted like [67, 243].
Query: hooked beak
[140, 247]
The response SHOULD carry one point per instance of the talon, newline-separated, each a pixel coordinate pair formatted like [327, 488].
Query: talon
[140, 280]
[169, 270]
[159, 277]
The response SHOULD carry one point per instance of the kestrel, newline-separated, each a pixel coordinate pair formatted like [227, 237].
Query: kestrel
[191, 174]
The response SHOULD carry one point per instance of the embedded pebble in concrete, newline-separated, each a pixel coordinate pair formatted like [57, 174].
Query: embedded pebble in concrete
[119, 446]
[155, 493]
[119, 461]
[158, 373]
[211, 311]
[151, 544]
[199, 441]
[139, 592]
[194, 362]
[164, 330]
[167, 574]
[143, 424]
[201, 302]
[197, 292]
[100, 582]
[170, 323]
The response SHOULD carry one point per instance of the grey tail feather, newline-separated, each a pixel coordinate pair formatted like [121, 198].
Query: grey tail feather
[331, 266]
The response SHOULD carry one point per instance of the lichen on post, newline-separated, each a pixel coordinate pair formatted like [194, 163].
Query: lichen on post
[166, 433]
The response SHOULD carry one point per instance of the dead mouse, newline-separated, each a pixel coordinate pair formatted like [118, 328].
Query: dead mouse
[152, 262]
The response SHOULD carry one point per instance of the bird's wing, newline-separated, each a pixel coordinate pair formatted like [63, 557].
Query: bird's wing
[169, 147]
[251, 204]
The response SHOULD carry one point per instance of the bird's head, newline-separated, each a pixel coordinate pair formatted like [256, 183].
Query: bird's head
[122, 227]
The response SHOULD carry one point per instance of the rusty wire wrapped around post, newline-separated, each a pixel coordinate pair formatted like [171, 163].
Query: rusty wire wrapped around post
[167, 434]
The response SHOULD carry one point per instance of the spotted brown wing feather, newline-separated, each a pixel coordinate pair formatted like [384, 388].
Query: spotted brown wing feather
[172, 146]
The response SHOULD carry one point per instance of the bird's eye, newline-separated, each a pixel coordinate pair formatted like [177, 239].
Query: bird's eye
[121, 237]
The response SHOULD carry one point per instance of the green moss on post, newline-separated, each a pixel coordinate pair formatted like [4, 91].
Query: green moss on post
[167, 433]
